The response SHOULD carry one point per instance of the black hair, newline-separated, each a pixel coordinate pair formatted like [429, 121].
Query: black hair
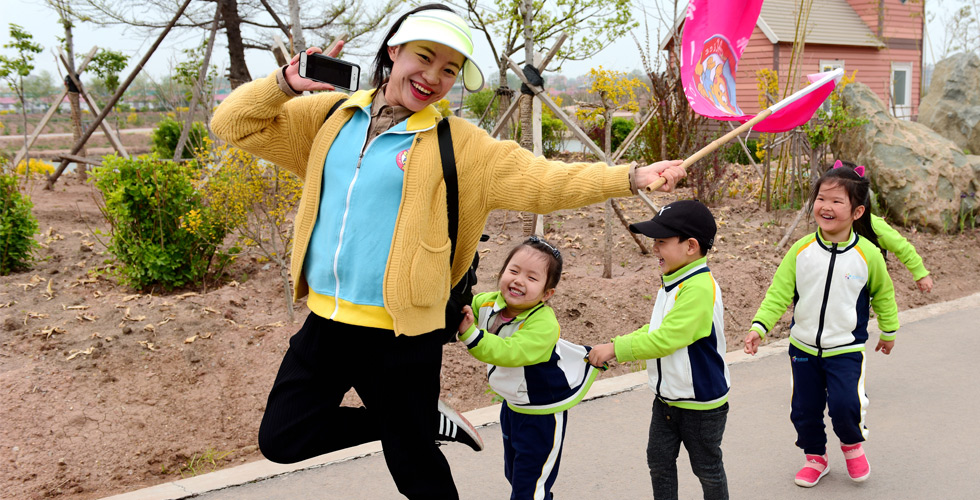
[547, 249]
[858, 190]
[382, 61]
[703, 246]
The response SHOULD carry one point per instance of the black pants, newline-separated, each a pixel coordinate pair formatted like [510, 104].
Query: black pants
[397, 379]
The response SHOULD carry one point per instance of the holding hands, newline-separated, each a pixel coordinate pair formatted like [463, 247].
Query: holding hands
[602, 353]
[752, 341]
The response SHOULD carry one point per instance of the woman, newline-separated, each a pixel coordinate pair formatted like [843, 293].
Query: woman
[371, 246]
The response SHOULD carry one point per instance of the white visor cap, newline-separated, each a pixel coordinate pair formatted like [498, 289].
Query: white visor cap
[442, 26]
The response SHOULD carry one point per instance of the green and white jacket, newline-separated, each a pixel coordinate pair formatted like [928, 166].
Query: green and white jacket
[684, 343]
[832, 287]
[529, 365]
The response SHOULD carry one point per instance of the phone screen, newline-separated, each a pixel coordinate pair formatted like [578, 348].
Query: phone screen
[329, 71]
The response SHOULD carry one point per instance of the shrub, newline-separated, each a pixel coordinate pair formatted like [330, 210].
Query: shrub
[160, 231]
[167, 133]
[257, 200]
[552, 134]
[621, 128]
[34, 166]
[17, 227]
[733, 152]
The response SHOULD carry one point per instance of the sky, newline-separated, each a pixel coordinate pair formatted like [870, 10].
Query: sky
[41, 22]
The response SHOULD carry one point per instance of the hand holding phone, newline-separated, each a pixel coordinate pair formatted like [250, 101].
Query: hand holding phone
[299, 83]
[341, 74]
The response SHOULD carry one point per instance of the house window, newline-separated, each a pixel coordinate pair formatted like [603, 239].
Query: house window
[825, 66]
[901, 90]
[830, 65]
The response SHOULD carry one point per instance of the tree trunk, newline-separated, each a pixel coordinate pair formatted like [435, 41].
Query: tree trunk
[299, 43]
[503, 99]
[76, 109]
[237, 70]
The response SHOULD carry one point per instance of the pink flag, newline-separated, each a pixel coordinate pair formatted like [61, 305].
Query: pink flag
[709, 60]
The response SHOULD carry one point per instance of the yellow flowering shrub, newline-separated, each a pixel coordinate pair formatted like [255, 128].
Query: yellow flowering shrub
[35, 167]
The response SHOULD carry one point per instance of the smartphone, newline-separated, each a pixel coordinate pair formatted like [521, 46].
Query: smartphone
[320, 68]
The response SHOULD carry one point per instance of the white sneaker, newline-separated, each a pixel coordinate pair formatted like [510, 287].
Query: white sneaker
[454, 427]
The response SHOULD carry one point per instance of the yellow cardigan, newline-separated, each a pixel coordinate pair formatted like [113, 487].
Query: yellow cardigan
[261, 119]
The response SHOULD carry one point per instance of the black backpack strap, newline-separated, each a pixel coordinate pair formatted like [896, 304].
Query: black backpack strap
[334, 108]
[448, 157]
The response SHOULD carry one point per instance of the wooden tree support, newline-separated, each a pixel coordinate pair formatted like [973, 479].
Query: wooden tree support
[115, 97]
[576, 130]
[113, 139]
[51, 111]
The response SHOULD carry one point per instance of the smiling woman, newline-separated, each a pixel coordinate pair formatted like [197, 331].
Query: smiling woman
[372, 247]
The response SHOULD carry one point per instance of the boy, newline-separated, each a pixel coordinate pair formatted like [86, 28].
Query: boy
[685, 346]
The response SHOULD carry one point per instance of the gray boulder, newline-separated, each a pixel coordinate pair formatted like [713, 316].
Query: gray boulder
[921, 178]
[952, 106]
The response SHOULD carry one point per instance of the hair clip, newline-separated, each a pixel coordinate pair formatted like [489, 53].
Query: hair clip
[837, 164]
[859, 170]
[554, 251]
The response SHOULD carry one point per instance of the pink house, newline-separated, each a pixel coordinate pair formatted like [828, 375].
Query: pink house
[881, 39]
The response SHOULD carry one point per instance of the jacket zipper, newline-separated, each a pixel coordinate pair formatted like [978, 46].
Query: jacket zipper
[826, 296]
[343, 225]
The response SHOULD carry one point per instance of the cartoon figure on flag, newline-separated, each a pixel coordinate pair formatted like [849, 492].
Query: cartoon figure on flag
[715, 73]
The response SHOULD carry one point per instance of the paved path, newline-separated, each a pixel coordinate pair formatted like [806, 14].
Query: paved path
[924, 441]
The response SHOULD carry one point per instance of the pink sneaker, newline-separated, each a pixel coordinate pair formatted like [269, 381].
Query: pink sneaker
[816, 467]
[857, 463]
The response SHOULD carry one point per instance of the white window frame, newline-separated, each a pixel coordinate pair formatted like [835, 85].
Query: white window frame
[904, 110]
[829, 65]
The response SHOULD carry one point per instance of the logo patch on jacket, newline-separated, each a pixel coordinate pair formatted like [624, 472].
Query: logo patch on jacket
[849, 276]
[401, 158]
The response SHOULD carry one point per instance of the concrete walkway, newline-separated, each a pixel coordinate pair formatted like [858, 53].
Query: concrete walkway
[924, 435]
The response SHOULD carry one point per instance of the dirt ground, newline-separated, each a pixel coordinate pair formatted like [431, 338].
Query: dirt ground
[106, 390]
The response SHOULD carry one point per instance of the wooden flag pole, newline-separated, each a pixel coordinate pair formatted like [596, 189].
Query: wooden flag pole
[715, 144]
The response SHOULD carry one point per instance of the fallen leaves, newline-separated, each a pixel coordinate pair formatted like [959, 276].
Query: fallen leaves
[74, 308]
[86, 317]
[270, 326]
[48, 332]
[76, 352]
[150, 346]
[35, 280]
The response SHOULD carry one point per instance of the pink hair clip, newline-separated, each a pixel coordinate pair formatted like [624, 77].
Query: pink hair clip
[857, 170]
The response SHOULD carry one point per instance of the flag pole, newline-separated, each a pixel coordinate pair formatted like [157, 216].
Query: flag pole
[721, 141]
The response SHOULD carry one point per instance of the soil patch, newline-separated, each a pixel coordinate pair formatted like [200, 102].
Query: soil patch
[107, 390]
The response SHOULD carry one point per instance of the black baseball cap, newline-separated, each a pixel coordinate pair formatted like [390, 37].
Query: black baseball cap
[681, 218]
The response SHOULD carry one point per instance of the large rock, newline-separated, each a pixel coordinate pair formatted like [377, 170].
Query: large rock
[952, 106]
[921, 178]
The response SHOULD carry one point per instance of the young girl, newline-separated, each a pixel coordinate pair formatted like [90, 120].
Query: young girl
[538, 374]
[831, 277]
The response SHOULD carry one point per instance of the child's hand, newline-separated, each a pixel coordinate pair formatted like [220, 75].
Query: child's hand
[925, 284]
[752, 341]
[467, 320]
[885, 346]
[602, 353]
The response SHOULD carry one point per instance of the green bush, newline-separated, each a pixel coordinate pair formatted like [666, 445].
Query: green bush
[160, 230]
[552, 134]
[621, 128]
[17, 227]
[167, 133]
[733, 152]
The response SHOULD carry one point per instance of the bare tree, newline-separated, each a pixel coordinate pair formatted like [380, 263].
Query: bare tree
[246, 23]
